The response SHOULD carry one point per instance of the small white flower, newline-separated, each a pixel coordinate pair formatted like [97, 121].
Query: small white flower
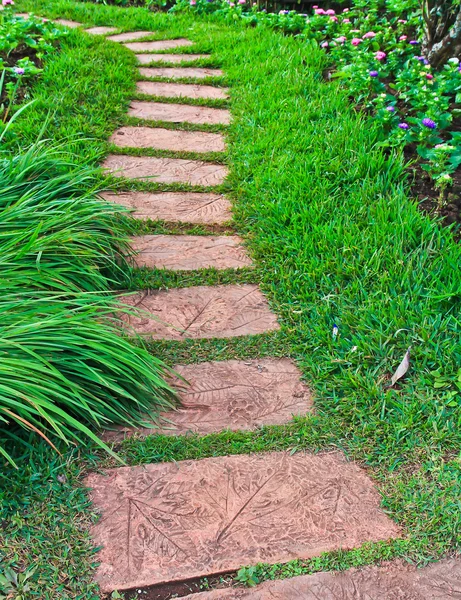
[454, 60]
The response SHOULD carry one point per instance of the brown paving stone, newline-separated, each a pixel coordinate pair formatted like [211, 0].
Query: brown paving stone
[166, 170]
[391, 581]
[202, 312]
[158, 45]
[176, 521]
[178, 72]
[131, 35]
[179, 113]
[232, 394]
[146, 59]
[100, 30]
[186, 207]
[67, 23]
[180, 90]
[190, 252]
[168, 139]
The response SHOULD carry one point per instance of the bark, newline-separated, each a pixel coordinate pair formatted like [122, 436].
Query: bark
[442, 31]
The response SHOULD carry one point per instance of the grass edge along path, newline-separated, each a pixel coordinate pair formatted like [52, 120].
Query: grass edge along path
[339, 243]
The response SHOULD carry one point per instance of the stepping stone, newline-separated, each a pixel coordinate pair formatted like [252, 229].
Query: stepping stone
[100, 30]
[190, 252]
[233, 394]
[179, 113]
[181, 90]
[129, 36]
[146, 59]
[158, 45]
[186, 207]
[177, 521]
[166, 170]
[168, 139]
[178, 72]
[393, 581]
[201, 312]
[66, 23]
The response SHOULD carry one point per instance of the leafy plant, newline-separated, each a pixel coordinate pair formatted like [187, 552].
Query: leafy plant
[15, 585]
[248, 576]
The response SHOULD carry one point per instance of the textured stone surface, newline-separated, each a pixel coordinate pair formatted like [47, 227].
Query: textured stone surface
[128, 36]
[202, 312]
[175, 521]
[67, 23]
[391, 581]
[180, 90]
[168, 139]
[178, 72]
[100, 30]
[146, 59]
[190, 252]
[232, 394]
[186, 207]
[178, 113]
[166, 170]
[158, 45]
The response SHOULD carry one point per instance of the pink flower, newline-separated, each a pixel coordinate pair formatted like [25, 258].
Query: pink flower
[346, 20]
[330, 12]
[380, 55]
[370, 34]
[324, 45]
[402, 38]
[401, 21]
[341, 39]
[193, 2]
[334, 19]
[345, 10]
[7, 2]
[356, 41]
[320, 11]
[429, 76]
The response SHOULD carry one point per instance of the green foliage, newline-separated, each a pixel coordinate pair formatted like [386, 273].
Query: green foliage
[247, 576]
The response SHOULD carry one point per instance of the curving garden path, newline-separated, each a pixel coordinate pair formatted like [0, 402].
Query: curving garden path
[172, 522]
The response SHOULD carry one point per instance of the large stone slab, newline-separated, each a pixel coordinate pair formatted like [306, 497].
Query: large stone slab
[100, 30]
[232, 394]
[179, 113]
[392, 581]
[168, 139]
[158, 45]
[67, 23]
[181, 90]
[177, 521]
[190, 252]
[146, 59]
[186, 207]
[166, 170]
[178, 72]
[201, 312]
[129, 36]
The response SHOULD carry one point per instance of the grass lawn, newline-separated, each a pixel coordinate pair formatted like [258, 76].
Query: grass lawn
[337, 240]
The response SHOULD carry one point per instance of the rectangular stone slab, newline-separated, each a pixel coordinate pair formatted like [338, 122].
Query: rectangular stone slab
[181, 90]
[67, 23]
[168, 139]
[131, 35]
[165, 170]
[158, 45]
[232, 394]
[177, 521]
[186, 207]
[391, 581]
[201, 312]
[179, 113]
[190, 252]
[178, 72]
[100, 30]
[146, 59]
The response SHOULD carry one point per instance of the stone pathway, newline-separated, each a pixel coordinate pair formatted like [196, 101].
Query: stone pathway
[164, 523]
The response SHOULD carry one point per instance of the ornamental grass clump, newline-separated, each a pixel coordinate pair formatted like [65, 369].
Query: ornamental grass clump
[66, 368]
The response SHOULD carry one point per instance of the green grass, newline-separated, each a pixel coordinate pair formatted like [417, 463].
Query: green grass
[328, 219]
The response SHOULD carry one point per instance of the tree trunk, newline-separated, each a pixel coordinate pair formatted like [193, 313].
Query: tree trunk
[438, 47]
